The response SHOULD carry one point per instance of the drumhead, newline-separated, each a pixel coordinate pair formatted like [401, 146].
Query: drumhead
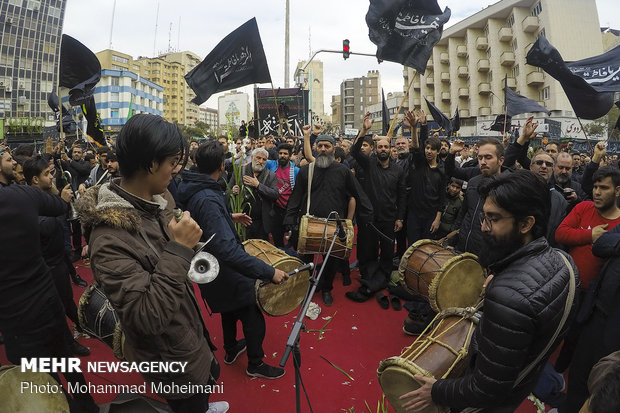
[458, 285]
[281, 299]
[30, 400]
[396, 377]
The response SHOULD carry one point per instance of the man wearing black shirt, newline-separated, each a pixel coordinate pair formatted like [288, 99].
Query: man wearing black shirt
[387, 189]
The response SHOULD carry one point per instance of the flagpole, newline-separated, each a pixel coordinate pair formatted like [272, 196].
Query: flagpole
[586, 135]
[391, 130]
[275, 101]
[505, 107]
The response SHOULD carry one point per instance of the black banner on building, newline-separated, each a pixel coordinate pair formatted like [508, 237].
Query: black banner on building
[292, 106]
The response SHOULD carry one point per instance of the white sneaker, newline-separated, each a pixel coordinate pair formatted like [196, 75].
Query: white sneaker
[218, 407]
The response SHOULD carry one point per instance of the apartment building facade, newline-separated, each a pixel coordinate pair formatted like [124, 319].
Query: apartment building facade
[357, 95]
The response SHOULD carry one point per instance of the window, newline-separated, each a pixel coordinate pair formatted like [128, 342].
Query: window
[486, 31]
[511, 20]
[545, 94]
[514, 45]
[119, 59]
[537, 9]
[114, 96]
[16, 2]
[114, 113]
[115, 81]
[116, 67]
[541, 33]
[489, 53]
[515, 71]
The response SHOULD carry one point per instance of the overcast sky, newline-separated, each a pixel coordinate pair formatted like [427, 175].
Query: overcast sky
[198, 25]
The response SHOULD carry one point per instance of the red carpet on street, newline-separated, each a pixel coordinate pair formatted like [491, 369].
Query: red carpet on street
[355, 338]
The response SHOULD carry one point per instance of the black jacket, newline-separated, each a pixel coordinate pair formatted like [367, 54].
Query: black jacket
[260, 200]
[523, 306]
[468, 220]
[234, 286]
[386, 187]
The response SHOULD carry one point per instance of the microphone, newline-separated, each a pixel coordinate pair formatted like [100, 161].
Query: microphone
[309, 266]
[342, 236]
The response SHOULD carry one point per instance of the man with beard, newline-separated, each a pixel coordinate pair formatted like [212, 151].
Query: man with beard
[260, 191]
[443, 151]
[37, 174]
[599, 315]
[404, 158]
[542, 164]
[526, 304]
[427, 197]
[553, 149]
[387, 189]
[561, 180]
[580, 229]
[332, 187]
[98, 171]
[286, 173]
[578, 167]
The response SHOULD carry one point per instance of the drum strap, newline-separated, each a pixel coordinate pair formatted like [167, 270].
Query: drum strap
[567, 307]
[310, 176]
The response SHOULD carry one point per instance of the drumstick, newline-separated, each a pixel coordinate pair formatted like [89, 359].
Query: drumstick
[309, 266]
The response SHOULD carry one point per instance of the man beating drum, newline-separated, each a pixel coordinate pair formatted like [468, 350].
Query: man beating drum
[526, 309]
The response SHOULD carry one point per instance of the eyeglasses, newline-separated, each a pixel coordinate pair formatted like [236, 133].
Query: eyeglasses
[541, 162]
[490, 220]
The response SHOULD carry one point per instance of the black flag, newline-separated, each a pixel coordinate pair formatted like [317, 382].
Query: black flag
[618, 121]
[405, 31]
[438, 116]
[499, 126]
[516, 103]
[586, 100]
[93, 129]
[238, 60]
[456, 121]
[385, 115]
[80, 70]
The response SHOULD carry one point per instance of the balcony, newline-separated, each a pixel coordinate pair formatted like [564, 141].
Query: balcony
[464, 113]
[535, 79]
[444, 58]
[463, 72]
[463, 92]
[416, 85]
[512, 83]
[417, 101]
[507, 59]
[530, 24]
[430, 81]
[505, 34]
[484, 88]
[431, 98]
[445, 77]
[445, 96]
[461, 51]
[482, 43]
[484, 111]
[484, 65]
[429, 65]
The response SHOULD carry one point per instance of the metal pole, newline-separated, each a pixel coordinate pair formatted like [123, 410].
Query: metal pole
[286, 47]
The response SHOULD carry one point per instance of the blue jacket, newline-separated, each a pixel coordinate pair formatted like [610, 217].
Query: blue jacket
[234, 286]
[273, 166]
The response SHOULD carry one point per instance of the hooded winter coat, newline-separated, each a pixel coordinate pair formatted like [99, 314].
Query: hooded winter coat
[147, 284]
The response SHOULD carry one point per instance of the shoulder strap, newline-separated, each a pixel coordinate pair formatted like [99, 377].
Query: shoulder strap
[310, 176]
[567, 307]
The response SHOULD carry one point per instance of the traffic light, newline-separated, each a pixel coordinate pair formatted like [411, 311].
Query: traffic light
[379, 60]
[345, 49]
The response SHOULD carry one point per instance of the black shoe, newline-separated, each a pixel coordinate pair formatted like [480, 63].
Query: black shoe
[240, 347]
[356, 296]
[415, 324]
[265, 371]
[79, 350]
[383, 301]
[328, 300]
[79, 281]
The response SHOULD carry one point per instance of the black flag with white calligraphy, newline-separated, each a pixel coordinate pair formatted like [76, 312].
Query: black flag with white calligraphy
[238, 60]
[502, 123]
[589, 97]
[405, 31]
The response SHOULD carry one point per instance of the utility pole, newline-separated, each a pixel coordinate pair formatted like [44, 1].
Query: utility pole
[286, 46]
[111, 28]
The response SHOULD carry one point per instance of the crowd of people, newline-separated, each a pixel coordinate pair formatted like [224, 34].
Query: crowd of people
[542, 220]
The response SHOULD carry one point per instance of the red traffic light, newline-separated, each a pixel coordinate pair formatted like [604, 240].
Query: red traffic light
[345, 49]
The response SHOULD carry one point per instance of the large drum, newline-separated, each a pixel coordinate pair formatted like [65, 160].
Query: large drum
[98, 318]
[445, 278]
[43, 393]
[278, 299]
[316, 234]
[441, 353]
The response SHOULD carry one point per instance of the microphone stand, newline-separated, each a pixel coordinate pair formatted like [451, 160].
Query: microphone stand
[292, 344]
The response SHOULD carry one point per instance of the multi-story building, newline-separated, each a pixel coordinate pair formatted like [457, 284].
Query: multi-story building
[356, 95]
[313, 77]
[392, 101]
[30, 36]
[167, 70]
[210, 117]
[120, 90]
[336, 109]
[232, 108]
[469, 63]
[611, 38]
